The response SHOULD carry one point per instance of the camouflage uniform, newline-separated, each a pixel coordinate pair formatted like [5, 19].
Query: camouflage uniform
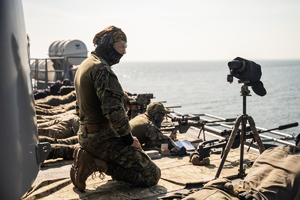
[144, 128]
[99, 98]
[57, 100]
[47, 118]
[67, 141]
[62, 151]
[61, 148]
[44, 109]
[61, 127]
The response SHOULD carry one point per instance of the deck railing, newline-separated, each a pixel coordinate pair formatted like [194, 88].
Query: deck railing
[60, 74]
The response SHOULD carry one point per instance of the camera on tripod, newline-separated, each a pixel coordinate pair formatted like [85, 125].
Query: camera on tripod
[247, 72]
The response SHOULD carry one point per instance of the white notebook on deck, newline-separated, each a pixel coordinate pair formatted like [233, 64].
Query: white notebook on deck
[186, 144]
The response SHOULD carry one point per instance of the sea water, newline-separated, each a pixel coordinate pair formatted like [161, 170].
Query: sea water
[202, 87]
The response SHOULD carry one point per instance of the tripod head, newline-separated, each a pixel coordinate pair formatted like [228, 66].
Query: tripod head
[244, 89]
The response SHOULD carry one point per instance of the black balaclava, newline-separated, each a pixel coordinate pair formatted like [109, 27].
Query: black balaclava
[106, 49]
[158, 118]
[112, 56]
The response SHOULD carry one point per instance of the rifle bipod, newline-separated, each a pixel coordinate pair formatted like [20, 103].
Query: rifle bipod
[202, 129]
[204, 122]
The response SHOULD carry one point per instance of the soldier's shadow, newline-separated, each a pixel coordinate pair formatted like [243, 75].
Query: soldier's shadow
[119, 190]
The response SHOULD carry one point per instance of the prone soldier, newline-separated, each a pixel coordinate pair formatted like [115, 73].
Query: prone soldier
[146, 127]
[61, 148]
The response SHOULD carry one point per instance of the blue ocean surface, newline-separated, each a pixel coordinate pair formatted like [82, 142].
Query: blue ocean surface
[202, 87]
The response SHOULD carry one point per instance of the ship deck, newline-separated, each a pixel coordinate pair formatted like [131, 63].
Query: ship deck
[178, 175]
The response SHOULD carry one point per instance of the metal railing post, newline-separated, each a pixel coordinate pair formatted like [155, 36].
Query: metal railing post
[46, 73]
[36, 72]
[67, 69]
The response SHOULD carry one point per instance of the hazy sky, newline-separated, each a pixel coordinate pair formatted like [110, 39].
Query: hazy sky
[172, 30]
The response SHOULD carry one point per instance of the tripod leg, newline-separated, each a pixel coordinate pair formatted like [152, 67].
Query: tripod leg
[260, 145]
[242, 142]
[229, 143]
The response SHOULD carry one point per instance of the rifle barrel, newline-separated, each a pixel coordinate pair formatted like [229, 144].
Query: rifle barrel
[287, 126]
[168, 129]
[281, 127]
[173, 107]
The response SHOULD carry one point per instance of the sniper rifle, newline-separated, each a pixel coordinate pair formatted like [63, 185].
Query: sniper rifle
[204, 149]
[138, 103]
[183, 123]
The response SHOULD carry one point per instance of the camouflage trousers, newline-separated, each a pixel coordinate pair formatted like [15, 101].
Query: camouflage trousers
[57, 100]
[125, 163]
[61, 127]
[61, 148]
[62, 151]
[47, 118]
[44, 109]
[67, 141]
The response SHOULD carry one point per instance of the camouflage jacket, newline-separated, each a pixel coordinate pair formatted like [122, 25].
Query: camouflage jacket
[99, 95]
[144, 128]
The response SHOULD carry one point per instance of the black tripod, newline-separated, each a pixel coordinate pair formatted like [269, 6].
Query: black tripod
[241, 120]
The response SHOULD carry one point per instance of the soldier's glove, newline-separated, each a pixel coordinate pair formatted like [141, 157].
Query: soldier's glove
[128, 139]
[248, 195]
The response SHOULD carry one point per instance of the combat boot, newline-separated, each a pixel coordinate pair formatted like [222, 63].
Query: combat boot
[74, 166]
[84, 165]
